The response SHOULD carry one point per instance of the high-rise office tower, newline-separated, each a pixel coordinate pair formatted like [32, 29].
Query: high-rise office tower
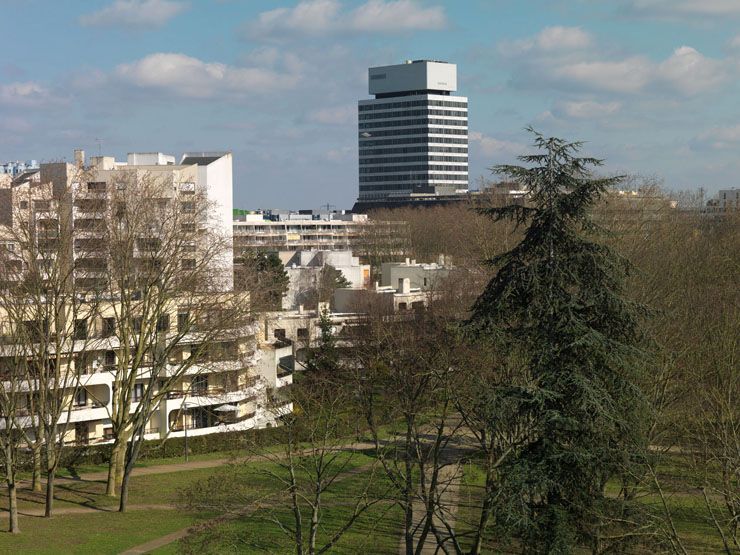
[413, 136]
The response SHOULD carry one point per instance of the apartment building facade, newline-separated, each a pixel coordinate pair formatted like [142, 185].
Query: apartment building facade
[332, 232]
[65, 213]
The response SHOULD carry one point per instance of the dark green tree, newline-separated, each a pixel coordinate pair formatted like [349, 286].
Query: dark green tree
[264, 276]
[325, 356]
[557, 297]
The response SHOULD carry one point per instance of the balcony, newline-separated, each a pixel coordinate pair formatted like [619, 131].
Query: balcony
[88, 405]
[197, 392]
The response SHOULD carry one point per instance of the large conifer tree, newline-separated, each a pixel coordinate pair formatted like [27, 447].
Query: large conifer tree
[558, 298]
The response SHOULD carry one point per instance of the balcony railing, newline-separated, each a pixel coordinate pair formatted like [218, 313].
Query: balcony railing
[196, 392]
[88, 405]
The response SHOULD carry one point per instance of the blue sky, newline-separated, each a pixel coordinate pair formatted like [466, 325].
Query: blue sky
[650, 85]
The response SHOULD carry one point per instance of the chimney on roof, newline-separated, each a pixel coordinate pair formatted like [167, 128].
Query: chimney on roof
[79, 158]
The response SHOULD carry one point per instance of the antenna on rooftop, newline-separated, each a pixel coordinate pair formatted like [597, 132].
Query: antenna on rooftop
[100, 146]
[327, 206]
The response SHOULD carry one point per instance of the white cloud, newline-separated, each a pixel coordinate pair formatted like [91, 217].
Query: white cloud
[550, 39]
[396, 15]
[26, 94]
[624, 76]
[677, 8]
[566, 58]
[735, 42]
[587, 109]
[690, 72]
[719, 138]
[496, 148]
[186, 76]
[335, 115]
[318, 17]
[134, 13]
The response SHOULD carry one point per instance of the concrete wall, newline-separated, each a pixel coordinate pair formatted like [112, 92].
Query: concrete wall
[218, 180]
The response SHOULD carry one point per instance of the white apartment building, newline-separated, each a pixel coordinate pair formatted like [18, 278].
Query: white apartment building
[413, 136]
[207, 173]
[225, 392]
[304, 272]
[335, 232]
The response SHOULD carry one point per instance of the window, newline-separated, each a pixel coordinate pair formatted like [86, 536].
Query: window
[183, 321]
[80, 399]
[188, 207]
[279, 333]
[108, 433]
[109, 327]
[82, 363]
[199, 385]
[302, 333]
[24, 204]
[138, 392]
[188, 264]
[163, 322]
[110, 359]
[80, 329]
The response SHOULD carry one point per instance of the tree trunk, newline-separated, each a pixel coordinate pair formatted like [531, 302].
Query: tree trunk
[51, 468]
[12, 498]
[124, 493]
[408, 528]
[49, 507]
[12, 507]
[314, 528]
[130, 454]
[121, 464]
[115, 477]
[485, 513]
[36, 478]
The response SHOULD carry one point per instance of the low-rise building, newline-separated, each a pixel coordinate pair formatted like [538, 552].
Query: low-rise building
[304, 269]
[421, 275]
[387, 297]
[727, 200]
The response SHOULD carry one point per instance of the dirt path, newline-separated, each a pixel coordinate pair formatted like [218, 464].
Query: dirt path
[87, 510]
[193, 465]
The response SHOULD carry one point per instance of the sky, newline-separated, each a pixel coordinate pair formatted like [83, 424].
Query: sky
[651, 86]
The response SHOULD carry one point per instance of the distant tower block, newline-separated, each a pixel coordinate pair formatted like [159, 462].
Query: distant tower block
[413, 136]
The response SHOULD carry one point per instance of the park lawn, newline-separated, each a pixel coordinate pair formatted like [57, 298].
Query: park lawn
[152, 489]
[378, 530]
[148, 463]
[94, 534]
[687, 509]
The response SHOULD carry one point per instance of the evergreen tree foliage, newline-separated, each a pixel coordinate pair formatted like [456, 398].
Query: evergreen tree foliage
[264, 276]
[558, 298]
[325, 356]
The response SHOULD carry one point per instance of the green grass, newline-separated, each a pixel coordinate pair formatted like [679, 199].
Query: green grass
[687, 507]
[378, 530]
[98, 534]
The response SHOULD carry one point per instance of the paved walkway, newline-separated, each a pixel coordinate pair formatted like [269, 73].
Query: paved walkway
[449, 485]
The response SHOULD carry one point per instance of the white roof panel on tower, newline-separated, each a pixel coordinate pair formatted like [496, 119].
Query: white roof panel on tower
[418, 75]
